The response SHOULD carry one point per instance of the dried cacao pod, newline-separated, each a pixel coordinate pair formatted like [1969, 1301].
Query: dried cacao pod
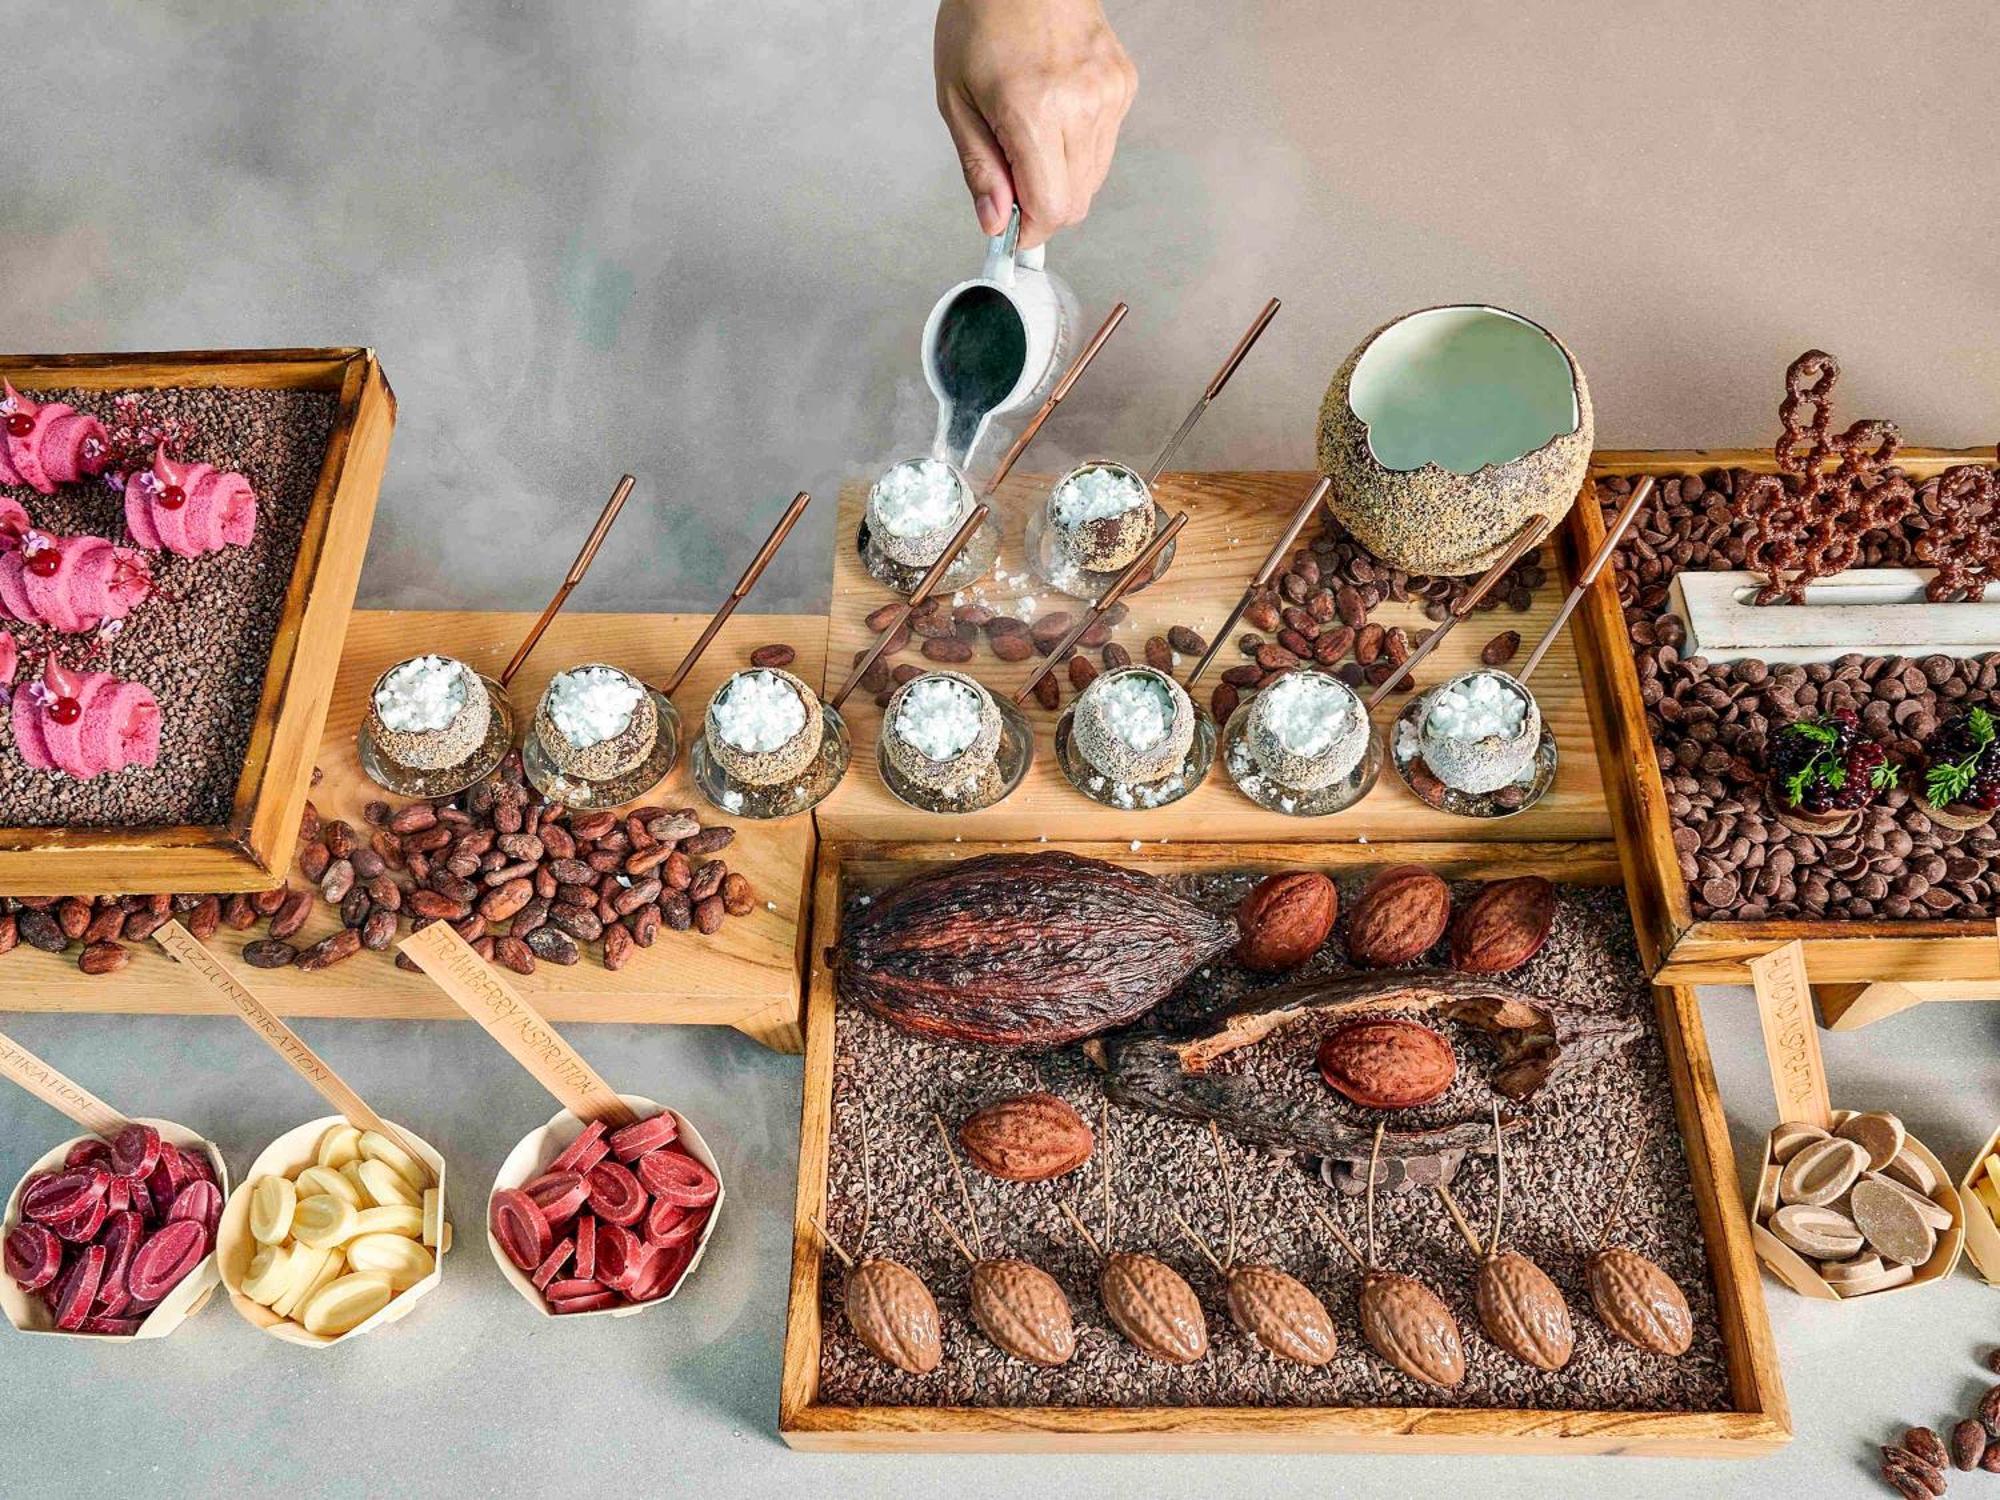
[1522, 1311]
[1024, 950]
[893, 1313]
[1408, 1324]
[1281, 1313]
[1504, 927]
[1027, 1138]
[1639, 1302]
[1402, 912]
[1023, 1310]
[1153, 1306]
[1284, 919]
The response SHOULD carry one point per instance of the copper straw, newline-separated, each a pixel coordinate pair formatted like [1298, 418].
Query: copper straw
[1529, 534]
[901, 617]
[575, 575]
[1214, 389]
[1070, 378]
[1640, 492]
[1140, 567]
[1264, 576]
[743, 586]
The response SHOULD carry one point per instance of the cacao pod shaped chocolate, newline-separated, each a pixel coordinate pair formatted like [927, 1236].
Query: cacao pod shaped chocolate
[1023, 950]
[1522, 1311]
[1281, 1313]
[1408, 1324]
[1153, 1306]
[1023, 1310]
[893, 1313]
[1639, 1302]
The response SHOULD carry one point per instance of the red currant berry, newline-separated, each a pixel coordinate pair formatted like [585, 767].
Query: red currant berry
[172, 497]
[65, 710]
[44, 562]
[20, 424]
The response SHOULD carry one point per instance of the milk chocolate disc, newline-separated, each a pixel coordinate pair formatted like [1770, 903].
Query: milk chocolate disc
[1816, 1233]
[1929, 1210]
[1891, 1224]
[1822, 1172]
[1878, 1133]
[1912, 1171]
[1792, 1137]
[1863, 1267]
[1861, 1286]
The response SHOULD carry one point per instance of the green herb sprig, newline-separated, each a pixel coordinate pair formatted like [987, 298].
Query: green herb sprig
[1947, 781]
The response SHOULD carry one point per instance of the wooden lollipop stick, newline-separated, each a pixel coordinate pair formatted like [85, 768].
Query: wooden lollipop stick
[1640, 493]
[1263, 576]
[1213, 389]
[743, 586]
[185, 948]
[477, 988]
[575, 575]
[1529, 534]
[1139, 567]
[925, 585]
[1791, 1035]
[1070, 378]
[56, 1091]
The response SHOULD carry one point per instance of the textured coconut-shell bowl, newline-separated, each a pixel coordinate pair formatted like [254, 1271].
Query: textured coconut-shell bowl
[606, 758]
[1105, 749]
[942, 775]
[767, 767]
[1446, 429]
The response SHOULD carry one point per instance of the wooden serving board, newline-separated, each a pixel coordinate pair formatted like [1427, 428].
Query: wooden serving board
[1842, 955]
[1232, 521]
[1759, 1421]
[746, 975]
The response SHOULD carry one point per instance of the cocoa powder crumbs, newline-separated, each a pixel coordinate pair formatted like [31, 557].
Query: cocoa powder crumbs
[1575, 1144]
[203, 641]
[1711, 723]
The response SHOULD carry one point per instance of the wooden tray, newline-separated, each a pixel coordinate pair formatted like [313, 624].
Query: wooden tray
[1759, 1423]
[263, 824]
[1232, 521]
[1682, 949]
[746, 975]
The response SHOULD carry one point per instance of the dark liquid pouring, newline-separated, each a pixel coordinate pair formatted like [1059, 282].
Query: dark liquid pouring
[982, 348]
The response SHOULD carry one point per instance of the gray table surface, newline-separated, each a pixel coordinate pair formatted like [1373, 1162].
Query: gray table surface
[474, 1394]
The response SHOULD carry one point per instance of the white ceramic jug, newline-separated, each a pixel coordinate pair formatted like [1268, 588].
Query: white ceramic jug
[997, 343]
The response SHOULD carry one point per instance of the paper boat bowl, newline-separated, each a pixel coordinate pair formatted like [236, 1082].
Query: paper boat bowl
[1803, 1277]
[27, 1312]
[235, 1245]
[530, 1159]
[1982, 1235]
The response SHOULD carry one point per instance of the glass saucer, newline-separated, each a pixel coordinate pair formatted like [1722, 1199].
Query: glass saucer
[1053, 566]
[558, 785]
[974, 563]
[1517, 796]
[1320, 802]
[1137, 796]
[1010, 766]
[804, 792]
[408, 781]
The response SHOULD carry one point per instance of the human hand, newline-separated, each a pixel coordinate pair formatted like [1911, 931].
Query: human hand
[1033, 92]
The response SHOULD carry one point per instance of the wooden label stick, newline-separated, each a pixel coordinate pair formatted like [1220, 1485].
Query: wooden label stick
[58, 1092]
[1791, 1038]
[477, 988]
[187, 949]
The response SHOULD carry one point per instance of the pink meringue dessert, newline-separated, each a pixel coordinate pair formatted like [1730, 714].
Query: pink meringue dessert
[189, 509]
[68, 583]
[43, 445]
[85, 723]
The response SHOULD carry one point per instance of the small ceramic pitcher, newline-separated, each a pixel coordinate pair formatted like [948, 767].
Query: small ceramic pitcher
[996, 344]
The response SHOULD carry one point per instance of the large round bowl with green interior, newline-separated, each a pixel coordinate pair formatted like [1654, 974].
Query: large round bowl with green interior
[1447, 429]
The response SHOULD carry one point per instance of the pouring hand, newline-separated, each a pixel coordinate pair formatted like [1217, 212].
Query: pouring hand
[1033, 92]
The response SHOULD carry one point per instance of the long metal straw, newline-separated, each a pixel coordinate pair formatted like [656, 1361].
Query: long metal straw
[572, 578]
[1641, 492]
[1063, 386]
[1212, 390]
[1140, 567]
[743, 586]
[1263, 576]
[1529, 534]
[901, 617]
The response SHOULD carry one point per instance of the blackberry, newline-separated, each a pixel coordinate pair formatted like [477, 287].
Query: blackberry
[1964, 761]
[1823, 765]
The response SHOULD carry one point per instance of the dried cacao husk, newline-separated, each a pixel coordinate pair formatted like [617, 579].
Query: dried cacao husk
[1534, 1040]
[1023, 950]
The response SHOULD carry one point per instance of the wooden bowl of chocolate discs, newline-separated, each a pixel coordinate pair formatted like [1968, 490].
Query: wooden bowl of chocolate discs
[1856, 1208]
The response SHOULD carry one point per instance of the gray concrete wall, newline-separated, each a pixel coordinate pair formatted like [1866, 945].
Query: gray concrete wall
[697, 239]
